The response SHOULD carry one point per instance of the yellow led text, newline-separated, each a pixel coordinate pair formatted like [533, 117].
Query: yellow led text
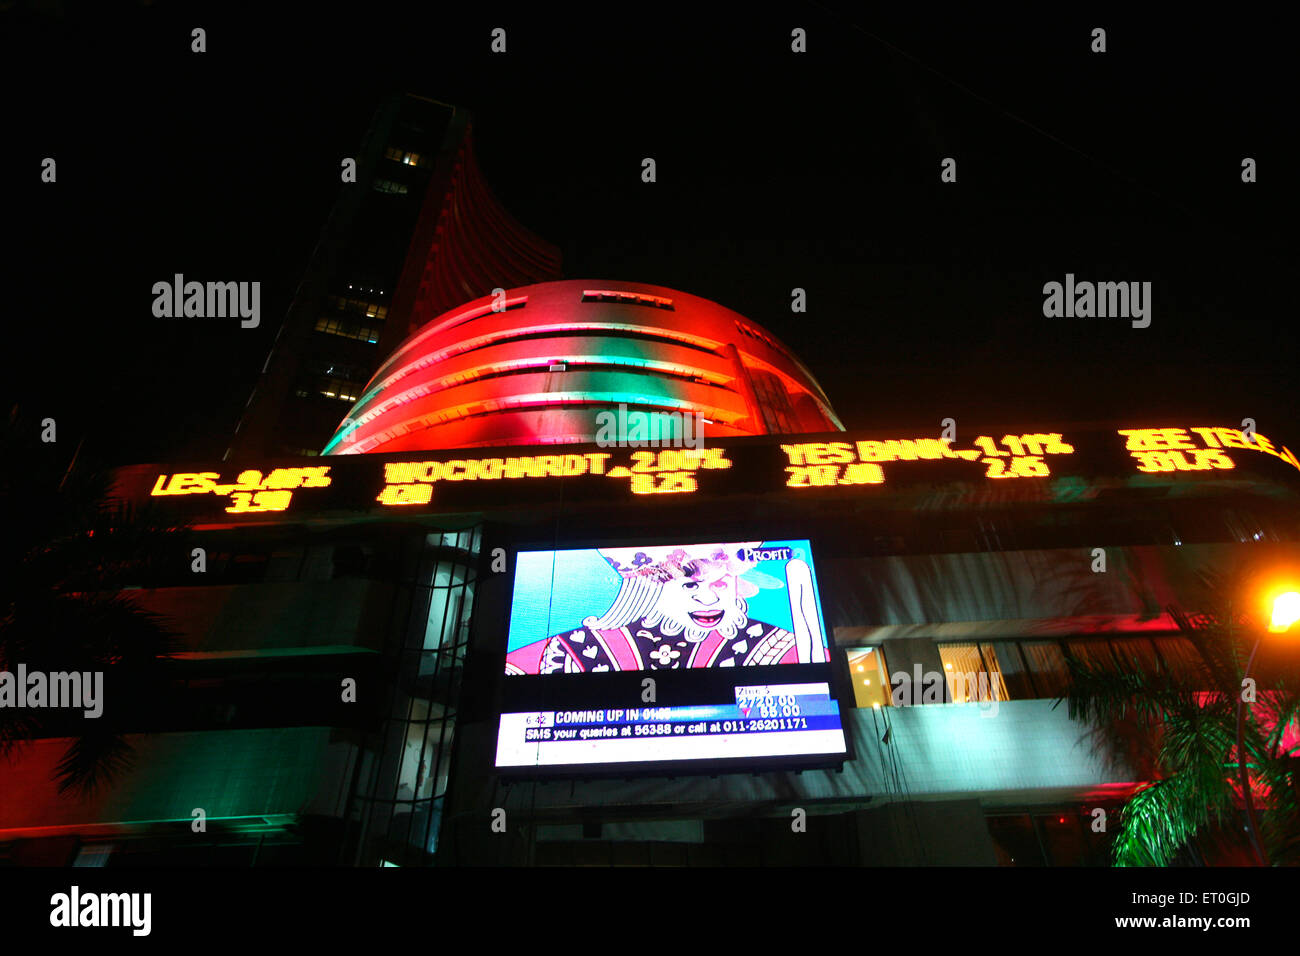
[670, 471]
[1173, 449]
[411, 482]
[826, 464]
[250, 491]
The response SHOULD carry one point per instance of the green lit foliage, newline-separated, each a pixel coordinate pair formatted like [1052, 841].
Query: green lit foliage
[1177, 730]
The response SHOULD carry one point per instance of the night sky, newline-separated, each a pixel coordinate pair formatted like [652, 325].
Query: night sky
[775, 170]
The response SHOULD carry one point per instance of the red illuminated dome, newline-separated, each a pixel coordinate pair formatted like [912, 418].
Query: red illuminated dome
[540, 370]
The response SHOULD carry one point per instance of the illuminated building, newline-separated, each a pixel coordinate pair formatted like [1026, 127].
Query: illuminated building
[416, 234]
[498, 587]
[535, 365]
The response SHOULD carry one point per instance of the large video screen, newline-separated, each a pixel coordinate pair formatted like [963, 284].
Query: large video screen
[729, 634]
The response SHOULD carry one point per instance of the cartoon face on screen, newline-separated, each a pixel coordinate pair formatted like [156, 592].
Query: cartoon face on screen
[706, 599]
[682, 606]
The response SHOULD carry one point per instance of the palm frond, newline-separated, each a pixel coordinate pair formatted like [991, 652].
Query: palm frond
[1187, 721]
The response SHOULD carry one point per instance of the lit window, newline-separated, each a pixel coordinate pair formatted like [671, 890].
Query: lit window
[402, 156]
[348, 329]
[340, 388]
[972, 672]
[371, 310]
[869, 675]
[1029, 670]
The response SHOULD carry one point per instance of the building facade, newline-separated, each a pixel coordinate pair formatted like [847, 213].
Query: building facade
[373, 629]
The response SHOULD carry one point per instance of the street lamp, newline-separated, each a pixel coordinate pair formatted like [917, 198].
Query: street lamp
[1286, 611]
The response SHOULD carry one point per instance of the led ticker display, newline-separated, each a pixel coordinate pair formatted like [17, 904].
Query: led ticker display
[825, 464]
[250, 491]
[843, 464]
[664, 472]
[699, 618]
[1206, 449]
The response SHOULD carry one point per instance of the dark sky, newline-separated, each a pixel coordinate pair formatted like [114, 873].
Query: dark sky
[775, 170]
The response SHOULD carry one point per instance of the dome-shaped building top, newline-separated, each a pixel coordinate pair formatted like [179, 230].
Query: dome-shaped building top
[540, 367]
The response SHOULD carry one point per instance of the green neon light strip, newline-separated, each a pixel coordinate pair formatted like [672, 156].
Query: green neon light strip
[632, 400]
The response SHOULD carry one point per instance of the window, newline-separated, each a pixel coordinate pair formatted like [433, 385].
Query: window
[629, 298]
[870, 676]
[1028, 670]
[330, 379]
[1045, 665]
[341, 388]
[405, 157]
[1013, 673]
[358, 306]
[1001, 670]
[348, 329]
[1172, 654]
[389, 187]
[972, 673]
[774, 400]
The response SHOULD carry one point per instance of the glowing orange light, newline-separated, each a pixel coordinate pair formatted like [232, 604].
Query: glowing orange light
[1286, 611]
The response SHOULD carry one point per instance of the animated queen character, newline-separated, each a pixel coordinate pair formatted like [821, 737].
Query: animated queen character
[682, 606]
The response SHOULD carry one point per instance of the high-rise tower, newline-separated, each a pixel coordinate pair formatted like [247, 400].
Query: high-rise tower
[418, 233]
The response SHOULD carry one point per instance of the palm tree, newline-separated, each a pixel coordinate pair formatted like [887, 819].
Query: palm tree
[1184, 722]
[67, 551]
